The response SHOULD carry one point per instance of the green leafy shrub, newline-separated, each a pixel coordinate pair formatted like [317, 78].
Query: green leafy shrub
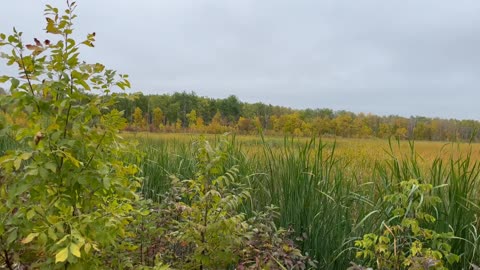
[269, 247]
[405, 241]
[66, 196]
[211, 229]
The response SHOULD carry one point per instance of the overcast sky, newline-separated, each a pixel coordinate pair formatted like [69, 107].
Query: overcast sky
[406, 57]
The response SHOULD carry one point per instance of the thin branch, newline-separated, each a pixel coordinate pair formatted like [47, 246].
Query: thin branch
[93, 155]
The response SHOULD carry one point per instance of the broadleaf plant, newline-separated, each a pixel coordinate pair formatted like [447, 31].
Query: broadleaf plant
[406, 239]
[66, 194]
[210, 224]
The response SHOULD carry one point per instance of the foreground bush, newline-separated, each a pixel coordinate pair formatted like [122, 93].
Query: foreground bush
[66, 196]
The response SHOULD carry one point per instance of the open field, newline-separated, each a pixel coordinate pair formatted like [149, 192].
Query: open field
[331, 192]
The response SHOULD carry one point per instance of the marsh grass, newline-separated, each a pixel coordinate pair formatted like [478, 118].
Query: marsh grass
[332, 192]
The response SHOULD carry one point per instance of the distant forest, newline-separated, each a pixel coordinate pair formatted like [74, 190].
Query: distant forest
[188, 112]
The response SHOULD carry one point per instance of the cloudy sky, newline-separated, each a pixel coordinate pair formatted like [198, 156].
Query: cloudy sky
[406, 57]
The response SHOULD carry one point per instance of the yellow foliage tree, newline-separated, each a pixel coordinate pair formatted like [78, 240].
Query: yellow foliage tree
[157, 118]
[192, 119]
[216, 124]
[138, 120]
[245, 125]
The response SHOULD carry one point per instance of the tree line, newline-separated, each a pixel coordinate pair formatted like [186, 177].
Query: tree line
[188, 112]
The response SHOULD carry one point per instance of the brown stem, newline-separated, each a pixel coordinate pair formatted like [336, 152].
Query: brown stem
[66, 121]
[7, 259]
[26, 75]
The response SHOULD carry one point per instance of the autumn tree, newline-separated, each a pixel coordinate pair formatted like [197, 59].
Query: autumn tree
[245, 125]
[360, 127]
[343, 125]
[138, 119]
[200, 124]
[257, 123]
[215, 125]
[384, 130]
[192, 119]
[178, 125]
[157, 118]
[323, 125]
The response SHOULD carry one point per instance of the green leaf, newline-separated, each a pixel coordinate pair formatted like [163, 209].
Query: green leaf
[4, 79]
[62, 255]
[30, 214]
[51, 234]
[83, 83]
[12, 39]
[452, 258]
[14, 83]
[12, 236]
[29, 238]
[77, 75]
[88, 43]
[99, 68]
[51, 166]
[75, 250]
[106, 183]
[20, 188]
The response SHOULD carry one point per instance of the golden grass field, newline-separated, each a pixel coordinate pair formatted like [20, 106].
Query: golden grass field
[360, 151]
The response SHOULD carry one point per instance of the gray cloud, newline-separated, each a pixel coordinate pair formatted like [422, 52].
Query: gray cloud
[387, 57]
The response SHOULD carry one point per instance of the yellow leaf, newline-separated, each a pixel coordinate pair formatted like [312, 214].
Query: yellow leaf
[61, 256]
[87, 247]
[26, 156]
[17, 163]
[75, 250]
[51, 28]
[29, 238]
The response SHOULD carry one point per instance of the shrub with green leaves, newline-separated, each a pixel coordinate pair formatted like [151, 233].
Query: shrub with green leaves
[210, 225]
[405, 241]
[269, 247]
[65, 193]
